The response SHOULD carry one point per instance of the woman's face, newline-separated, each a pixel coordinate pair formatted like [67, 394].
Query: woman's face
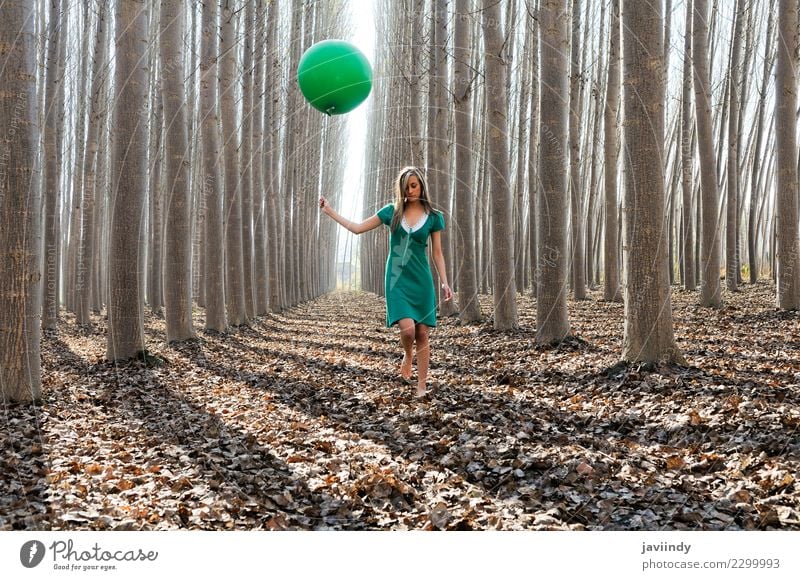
[413, 190]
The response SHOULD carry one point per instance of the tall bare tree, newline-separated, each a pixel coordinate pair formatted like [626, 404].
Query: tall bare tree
[125, 304]
[709, 283]
[732, 213]
[213, 242]
[576, 197]
[155, 162]
[74, 214]
[687, 141]
[788, 245]
[20, 212]
[533, 148]
[97, 105]
[271, 157]
[611, 290]
[438, 150]
[504, 288]
[551, 270]
[463, 84]
[53, 149]
[178, 238]
[246, 160]
[234, 261]
[261, 267]
[648, 310]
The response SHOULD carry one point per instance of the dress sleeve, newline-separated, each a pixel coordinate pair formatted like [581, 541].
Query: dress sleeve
[385, 213]
[438, 222]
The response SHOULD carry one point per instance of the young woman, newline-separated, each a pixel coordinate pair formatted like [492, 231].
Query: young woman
[410, 295]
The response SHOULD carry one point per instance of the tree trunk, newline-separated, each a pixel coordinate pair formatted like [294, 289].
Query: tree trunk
[75, 214]
[125, 311]
[522, 115]
[788, 244]
[463, 83]
[273, 186]
[178, 235]
[234, 262]
[213, 245]
[438, 148]
[687, 157]
[709, 284]
[533, 152]
[732, 213]
[551, 272]
[611, 289]
[504, 289]
[53, 130]
[156, 146]
[576, 197]
[97, 103]
[261, 271]
[20, 209]
[648, 310]
[594, 152]
[246, 161]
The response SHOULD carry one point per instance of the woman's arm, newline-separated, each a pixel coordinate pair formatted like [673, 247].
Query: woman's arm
[356, 228]
[438, 262]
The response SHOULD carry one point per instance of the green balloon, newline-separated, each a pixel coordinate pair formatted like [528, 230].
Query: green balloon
[334, 76]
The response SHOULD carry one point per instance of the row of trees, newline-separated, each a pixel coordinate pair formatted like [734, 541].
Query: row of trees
[180, 166]
[546, 169]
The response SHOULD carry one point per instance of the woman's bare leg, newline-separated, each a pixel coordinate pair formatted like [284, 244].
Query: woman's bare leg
[407, 340]
[423, 357]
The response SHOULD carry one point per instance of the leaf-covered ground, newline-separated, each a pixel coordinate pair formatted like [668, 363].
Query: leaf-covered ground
[300, 422]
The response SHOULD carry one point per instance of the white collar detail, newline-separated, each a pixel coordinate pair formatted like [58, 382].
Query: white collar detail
[411, 229]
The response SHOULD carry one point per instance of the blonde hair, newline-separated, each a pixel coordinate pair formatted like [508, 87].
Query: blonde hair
[400, 184]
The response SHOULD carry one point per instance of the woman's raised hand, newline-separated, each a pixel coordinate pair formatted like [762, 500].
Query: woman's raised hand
[323, 204]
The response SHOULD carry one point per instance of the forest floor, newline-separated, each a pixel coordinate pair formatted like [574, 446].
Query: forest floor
[300, 422]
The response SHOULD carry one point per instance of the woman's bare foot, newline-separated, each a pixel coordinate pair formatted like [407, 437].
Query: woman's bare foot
[405, 367]
[421, 392]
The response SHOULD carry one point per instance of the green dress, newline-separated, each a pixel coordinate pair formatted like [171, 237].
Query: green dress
[409, 283]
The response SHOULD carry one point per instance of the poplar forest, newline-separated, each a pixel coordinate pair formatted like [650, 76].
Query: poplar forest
[188, 342]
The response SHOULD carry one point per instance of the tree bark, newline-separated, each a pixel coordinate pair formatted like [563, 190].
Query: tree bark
[788, 244]
[53, 130]
[576, 197]
[732, 213]
[261, 271]
[438, 143]
[125, 307]
[611, 289]
[504, 290]
[709, 285]
[648, 311]
[246, 161]
[213, 244]
[272, 183]
[687, 157]
[533, 152]
[20, 209]
[97, 102]
[463, 83]
[234, 262]
[551, 270]
[178, 235]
